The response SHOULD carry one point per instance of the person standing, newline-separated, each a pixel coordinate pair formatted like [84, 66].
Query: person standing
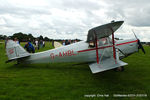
[75, 41]
[29, 47]
[69, 42]
[6, 42]
[16, 41]
[36, 44]
[52, 43]
[43, 44]
[63, 43]
[66, 42]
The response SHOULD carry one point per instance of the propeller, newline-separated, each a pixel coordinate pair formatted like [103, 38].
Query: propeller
[139, 43]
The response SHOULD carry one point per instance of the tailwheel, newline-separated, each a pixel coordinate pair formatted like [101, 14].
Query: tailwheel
[120, 69]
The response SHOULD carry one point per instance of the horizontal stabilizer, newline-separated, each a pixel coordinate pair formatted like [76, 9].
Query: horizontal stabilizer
[106, 65]
[17, 58]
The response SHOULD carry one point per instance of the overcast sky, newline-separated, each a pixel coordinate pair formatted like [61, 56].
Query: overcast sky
[73, 18]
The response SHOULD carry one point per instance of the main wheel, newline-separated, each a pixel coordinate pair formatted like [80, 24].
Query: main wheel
[120, 69]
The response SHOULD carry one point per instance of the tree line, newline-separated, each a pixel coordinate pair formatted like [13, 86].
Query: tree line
[22, 37]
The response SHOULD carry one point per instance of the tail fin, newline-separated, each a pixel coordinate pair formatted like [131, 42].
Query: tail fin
[15, 51]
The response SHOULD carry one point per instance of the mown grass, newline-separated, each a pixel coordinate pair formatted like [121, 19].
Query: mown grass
[67, 81]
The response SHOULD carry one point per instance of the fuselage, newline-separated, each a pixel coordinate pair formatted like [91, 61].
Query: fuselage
[82, 52]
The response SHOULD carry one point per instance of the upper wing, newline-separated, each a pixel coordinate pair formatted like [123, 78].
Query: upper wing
[103, 30]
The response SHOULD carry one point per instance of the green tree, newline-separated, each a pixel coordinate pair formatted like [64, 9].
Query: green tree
[40, 37]
[46, 39]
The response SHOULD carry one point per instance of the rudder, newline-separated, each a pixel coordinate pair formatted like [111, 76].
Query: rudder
[15, 51]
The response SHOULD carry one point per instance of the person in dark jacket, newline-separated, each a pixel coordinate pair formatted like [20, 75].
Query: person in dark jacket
[29, 47]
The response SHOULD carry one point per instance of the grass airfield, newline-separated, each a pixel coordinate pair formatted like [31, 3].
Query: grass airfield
[67, 81]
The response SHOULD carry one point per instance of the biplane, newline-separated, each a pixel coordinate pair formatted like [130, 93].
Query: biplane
[101, 51]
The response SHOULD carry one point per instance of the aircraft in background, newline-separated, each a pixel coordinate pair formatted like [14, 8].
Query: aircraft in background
[100, 50]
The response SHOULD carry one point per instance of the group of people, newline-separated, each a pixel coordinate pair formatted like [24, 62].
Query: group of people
[15, 40]
[67, 42]
[39, 44]
[36, 45]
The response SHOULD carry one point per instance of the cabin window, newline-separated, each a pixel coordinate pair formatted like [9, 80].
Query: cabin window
[91, 44]
[102, 41]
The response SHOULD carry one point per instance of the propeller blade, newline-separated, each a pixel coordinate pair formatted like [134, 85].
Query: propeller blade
[140, 46]
[139, 43]
[134, 34]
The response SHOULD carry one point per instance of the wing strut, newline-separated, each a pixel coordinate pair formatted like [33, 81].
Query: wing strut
[97, 58]
[113, 41]
[114, 49]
